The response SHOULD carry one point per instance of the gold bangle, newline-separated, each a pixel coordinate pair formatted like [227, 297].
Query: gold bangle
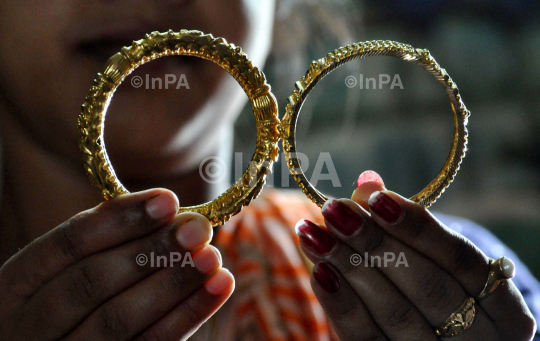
[91, 121]
[319, 69]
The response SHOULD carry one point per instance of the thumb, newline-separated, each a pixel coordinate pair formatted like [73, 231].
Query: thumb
[368, 182]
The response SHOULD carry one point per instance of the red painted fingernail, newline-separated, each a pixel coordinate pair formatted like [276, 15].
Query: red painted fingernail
[342, 217]
[369, 176]
[314, 238]
[385, 207]
[326, 278]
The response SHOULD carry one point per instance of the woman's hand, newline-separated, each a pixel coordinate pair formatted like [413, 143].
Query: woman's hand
[84, 280]
[426, 271]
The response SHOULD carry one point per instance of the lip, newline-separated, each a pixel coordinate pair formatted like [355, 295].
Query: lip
[102, 41]
[125, 27]
[99, 42]
[120, 24]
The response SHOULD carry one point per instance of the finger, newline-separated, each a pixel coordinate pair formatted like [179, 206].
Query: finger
[434, 292]
[134, 310]
[415, 226]
[111, 223]
[82, 287]
[368, 182]
[349, 316]
[396, 316]
[507, 309]
[185, 319]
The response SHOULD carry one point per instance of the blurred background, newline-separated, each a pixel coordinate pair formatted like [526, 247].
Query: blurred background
[491, 49]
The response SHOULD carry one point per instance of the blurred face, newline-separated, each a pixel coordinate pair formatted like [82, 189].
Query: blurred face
[52, 50]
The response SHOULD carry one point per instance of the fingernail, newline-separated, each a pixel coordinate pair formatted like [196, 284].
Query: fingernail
[314, 238]
[342, 217]
[326, 278]
[220, 282]
[193, 233]
[369, 176]
[207, 259]
[161, 207]
[385, 207]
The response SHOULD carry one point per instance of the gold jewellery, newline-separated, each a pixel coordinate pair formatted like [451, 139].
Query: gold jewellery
[189, 43]
[462, 319]
[499, 270]
[320, 68]
[459, 321]
[269, 129]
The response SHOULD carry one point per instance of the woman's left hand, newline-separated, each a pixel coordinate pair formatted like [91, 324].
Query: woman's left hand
[418, 273]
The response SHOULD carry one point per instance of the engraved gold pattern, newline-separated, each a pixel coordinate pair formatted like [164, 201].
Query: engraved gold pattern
[91, 121]
[459, 321]
[320, 68]
[191, 43]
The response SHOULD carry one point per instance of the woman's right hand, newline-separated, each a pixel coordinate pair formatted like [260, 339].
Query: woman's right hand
[82, 280]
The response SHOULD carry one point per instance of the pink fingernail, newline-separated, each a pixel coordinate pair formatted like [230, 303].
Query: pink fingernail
[207, 259]
[369, 176]
[161, 207]
[220, 282]
[193, 233]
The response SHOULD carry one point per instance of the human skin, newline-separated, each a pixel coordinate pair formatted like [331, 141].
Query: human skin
[75, 275]
[55, 50]
[392, 302]
[79, 280]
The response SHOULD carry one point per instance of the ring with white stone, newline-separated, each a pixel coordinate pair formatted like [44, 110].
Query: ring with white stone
[499, 270]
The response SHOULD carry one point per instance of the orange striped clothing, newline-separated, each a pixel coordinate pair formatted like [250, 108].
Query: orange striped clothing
[273, 299]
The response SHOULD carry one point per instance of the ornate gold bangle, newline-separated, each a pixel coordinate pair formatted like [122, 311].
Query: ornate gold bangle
[320, 68]
[190, 43]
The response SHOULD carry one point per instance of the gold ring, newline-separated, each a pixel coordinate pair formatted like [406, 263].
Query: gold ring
[91, 121]
[459, 321]
[499, 270]
[320, 68]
